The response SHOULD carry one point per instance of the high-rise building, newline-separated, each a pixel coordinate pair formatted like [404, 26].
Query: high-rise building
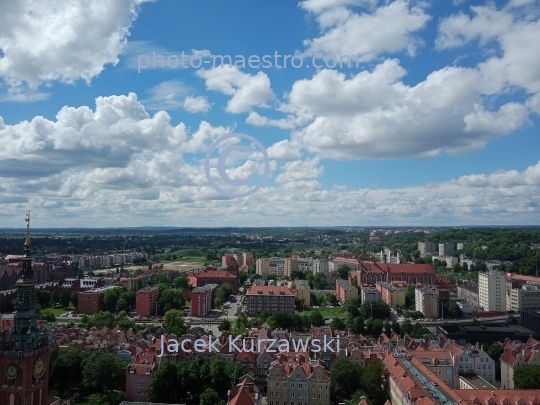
[427, 302]
[24, 348]
[146, 300]
[320, 266]
[446, 249]
[492, 290]
[427, 248]
[201, 299]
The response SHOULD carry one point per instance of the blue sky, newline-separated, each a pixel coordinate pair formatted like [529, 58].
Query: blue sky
[438, 125]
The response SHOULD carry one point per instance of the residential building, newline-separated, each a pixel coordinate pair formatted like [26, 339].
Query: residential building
[211, 275]
[40, 272]
[370, 273]
[517, 354]
[226, 258]
[427, 248]
[201, 299]
[345, 290]
[146, 301]
[492, 291]
[461, 245]
[526, 297]
[468, 291]
[239, 257]
[427, 302]
[446, 249]
[297, 380]
[451, 261]
[530, 318]
[474, 382]
[269, 298]
[320, 266]
[303, 291]
[138, 378]
[91, 301]
[248, 259]
[392, 294]
[370, 294]
[245, 392]
[271, 266]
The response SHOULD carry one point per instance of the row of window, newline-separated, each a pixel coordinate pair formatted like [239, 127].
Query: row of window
[299, 385]
[298, 395]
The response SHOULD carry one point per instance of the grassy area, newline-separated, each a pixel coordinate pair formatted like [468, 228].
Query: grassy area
[326, 312]
[190, 255]
[59, 310]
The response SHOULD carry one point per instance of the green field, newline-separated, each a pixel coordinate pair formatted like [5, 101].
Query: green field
[190, 255]
[326, 312]
[58, 310]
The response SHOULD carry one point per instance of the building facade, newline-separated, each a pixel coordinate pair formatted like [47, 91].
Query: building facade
[269, 298]
[446, 249]
[345, 290]
[492, 291]
[146, 301]
[90, 302]
[427, 248]
[201, 299]
[303, 291]
[391, 294]
[427, 302]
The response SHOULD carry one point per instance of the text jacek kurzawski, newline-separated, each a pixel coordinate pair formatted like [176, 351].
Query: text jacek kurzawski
[251, 345]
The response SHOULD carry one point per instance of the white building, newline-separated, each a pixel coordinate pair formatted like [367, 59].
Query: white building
[492, 291]
[526, 297]
[320, 266]
[427, 302]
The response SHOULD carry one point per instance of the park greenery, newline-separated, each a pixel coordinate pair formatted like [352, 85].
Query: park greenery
[201, 382]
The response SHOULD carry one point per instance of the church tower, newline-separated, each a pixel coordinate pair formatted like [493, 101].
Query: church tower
[24, 346]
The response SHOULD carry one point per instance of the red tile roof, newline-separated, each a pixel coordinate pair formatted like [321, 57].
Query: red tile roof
[254, 290]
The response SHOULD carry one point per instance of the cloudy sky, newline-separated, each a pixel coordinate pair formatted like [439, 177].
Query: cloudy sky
[435, 121]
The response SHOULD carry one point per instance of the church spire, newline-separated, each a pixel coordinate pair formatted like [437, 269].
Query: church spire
[27, 274]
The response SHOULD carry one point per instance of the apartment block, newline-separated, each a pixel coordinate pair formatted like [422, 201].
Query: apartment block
[446, 249]
[427, 302]
[345, 290]
[138, 379]
[461, 246]
[303, 291]
[320, 266]
[517, 354]
[297, 380]
[147, 299]
[201, 299]
[269, 298]
[526, 297]
[271, 266]
[468, 291]
[391, 294]
[248, 259]
[370, 294]
[427, 248]
[492, 291]
[90, 302]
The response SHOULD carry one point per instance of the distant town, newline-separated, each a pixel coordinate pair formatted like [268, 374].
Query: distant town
[147, 315]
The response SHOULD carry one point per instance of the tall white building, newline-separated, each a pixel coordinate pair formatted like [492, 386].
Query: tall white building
[446, 249]
[320, 266]
[492, 290]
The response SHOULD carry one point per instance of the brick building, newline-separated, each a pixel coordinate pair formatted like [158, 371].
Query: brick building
[147, 299]
[211, 275]
[269, 298]
[138, 378]
[91, 301]
[201, 299]
[345, 290]
[392, 294]
[371, 272]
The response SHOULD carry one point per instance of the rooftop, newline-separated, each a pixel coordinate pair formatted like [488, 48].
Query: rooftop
[269, 290]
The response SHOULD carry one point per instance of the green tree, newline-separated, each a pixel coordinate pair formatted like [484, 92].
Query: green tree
[173, 322]
[338, 323]
[375, 309]
[170, 298]
[110, 298]
[65, 298]
[167, 383]
[182, 281]
[199, 370]
[396, 328]
[375, 382]
[55, 298]
[98, 399]
[352, 306]
[242, 275]
[66, 368]
[224, 325]
[345, 380]
[210, 397]
[74, 299]
[527, 376]
[316, 317]
[343, 271]
[219, 376]
[495, 351]
[47, 315]
[410, 295]
[103, 371]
